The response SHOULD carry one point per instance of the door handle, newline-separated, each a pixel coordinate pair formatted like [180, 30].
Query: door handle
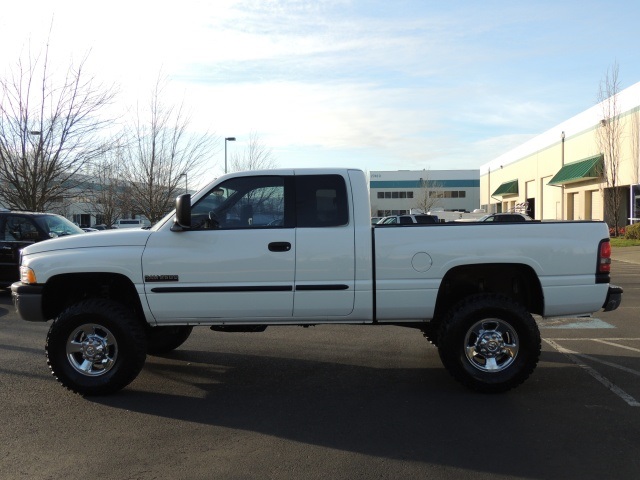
[279, 246]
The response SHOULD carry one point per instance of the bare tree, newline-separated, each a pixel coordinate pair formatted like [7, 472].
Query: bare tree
[257, 156]
[609, 138]
[162, 150]
[635, 146]
[109, 193]
[428, 195]
[50, 130]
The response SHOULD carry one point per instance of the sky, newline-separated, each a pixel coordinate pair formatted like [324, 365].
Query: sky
[375, 85]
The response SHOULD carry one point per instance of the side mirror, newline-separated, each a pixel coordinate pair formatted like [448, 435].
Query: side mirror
[183, 211]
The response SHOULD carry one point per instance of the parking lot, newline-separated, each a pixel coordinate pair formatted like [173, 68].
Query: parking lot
[332, 402]
[596, 344]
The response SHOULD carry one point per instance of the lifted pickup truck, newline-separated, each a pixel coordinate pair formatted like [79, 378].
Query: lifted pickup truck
[296, 247]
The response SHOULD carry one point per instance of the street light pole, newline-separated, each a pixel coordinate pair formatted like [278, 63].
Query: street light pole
[562, 186]
[186, 182]
[227, 139]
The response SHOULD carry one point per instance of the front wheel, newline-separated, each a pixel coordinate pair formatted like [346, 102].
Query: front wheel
[96, 347]
[489, 343]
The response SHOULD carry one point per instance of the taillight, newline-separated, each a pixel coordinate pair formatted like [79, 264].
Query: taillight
[604, 257]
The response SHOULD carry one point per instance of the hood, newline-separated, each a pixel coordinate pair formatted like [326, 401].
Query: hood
[108, 238]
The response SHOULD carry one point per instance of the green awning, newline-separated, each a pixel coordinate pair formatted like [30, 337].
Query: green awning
[587, 169]
[507, 188]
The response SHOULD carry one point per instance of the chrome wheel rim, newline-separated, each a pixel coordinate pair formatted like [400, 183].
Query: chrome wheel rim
[92, 350]
[491, 345]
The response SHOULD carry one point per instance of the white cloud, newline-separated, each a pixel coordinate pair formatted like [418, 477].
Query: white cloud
[362, 82]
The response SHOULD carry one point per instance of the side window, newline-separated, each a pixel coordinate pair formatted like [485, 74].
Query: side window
[243, 202]
[21, 229]
[425, 219]
[321, 201]
[405, 220]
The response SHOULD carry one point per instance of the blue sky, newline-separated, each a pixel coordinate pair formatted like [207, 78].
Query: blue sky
[376, 85]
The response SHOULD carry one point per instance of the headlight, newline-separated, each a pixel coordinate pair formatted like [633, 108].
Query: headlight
[27, 275]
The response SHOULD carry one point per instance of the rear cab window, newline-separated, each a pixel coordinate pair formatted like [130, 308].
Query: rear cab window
[321, 201]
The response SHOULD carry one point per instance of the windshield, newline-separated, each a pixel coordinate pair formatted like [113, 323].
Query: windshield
[57, 226]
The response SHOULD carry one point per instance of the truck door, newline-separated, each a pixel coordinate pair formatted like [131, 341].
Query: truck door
[325, 248]
[237, 261]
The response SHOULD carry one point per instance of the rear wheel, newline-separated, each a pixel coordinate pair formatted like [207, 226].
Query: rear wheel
[489, 343]
[96, 347]
[165, 339]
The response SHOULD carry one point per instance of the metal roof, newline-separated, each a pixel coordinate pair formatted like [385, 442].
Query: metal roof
[587, 169]
[507, 188]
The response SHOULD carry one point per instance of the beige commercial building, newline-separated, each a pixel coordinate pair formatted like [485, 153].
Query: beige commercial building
[558, 175]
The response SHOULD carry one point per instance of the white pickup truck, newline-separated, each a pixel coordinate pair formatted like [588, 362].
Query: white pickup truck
[296, 247]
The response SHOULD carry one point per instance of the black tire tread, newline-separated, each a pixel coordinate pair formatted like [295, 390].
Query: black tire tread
[118, 317]
[450, 342]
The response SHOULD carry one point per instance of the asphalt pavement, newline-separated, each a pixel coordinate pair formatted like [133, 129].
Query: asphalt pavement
[333, 401]
[626, 254]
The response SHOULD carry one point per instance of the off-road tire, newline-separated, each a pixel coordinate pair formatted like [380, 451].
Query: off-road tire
[96, 347]
[489, 343]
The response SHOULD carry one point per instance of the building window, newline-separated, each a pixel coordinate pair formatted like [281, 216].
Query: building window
[447, 194]
[395, 194]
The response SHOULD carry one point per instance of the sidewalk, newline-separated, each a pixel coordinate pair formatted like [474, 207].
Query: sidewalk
[626, 254]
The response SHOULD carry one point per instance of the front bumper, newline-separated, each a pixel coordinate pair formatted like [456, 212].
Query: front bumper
[28, 301]
[614, 298]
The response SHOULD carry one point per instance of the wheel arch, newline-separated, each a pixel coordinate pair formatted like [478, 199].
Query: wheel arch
[516, 281]
[62, 291]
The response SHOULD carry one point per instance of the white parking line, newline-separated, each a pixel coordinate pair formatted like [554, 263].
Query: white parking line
[609, 364]
[600, 340]
[593, 339]
[573, 323]
[574, 356]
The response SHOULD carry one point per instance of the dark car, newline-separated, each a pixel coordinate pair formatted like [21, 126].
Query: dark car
[19, 229]
[408, 219]
[505, 217]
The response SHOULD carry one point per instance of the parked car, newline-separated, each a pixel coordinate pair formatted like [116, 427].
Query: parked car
[129, 223]
[505, 217]
[20, 229]
[408, 219]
